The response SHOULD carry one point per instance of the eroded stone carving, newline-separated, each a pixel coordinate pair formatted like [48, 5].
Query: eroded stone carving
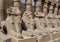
[50, 19]
[13, 22]
[39, 16]
[28, 15]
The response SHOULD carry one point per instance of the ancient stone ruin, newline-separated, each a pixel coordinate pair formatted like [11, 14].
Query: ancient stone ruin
[38, 23]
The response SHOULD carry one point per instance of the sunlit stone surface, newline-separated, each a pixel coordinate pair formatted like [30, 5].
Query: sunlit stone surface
[38, 23]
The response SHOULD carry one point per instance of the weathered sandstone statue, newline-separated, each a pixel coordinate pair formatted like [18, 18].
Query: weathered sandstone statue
[50, 16]
[45, 8]
[50, 20]
[28, 16]
[59, 18]
[13, 22]
[58, 23]
[54, 22]
[28, 19]
[38, 19]
[39, 16]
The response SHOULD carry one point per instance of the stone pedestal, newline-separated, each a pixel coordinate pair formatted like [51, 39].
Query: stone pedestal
[25, 39]
[57, 40]
[41, 37]
[55, 35]
[27, 33]
[44, 38]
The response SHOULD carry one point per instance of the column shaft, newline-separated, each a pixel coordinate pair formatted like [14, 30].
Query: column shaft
[28, 5]
[17, 3]
[38, 5]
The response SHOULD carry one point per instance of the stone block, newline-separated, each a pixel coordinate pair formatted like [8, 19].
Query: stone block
[55, 35]
[27, 33]
[25, 39]
[58, 40]
[44, 38]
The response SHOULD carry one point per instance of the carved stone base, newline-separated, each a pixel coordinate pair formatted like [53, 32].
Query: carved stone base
[55, 35]
[25, 39]
[56, 40]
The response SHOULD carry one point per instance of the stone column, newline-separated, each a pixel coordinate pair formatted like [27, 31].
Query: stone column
[39, 22]
[1, 10]
[56, 10]
[38, 5]
[51, 9]
[53, 1]
[28, 5]
[49, 17]
[58, 17]
[57, 2]
[55, 23]
[17, 3]
[45, 8]
[13, 22]
[50, 12]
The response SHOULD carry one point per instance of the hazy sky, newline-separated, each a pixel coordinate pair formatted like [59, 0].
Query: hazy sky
[23, 1]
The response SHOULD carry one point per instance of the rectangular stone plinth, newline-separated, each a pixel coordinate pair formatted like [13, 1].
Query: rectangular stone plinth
[25, 39]
[56, 40]
[40, 38]
[55, 35]
[44, 38]
[26, 33]
[4, 38]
